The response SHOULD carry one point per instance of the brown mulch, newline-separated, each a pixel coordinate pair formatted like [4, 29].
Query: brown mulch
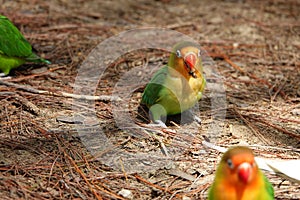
[50, 150]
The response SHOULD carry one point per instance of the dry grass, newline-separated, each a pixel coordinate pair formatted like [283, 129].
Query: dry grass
[255, 45]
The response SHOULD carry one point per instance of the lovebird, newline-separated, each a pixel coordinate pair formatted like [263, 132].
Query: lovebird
[178, 86]
[239, 178]
[15, 50]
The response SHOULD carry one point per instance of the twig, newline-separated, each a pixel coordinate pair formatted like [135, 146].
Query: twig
[276, 127]
[182, 174]
[213, 146]
[156, 186]
[123, 170]
[82, 175]
[164, 148]
[180, 25]
[258, 134]
[110, 193]
[235, 66]
[276, 91]
[51, 170]
[61, 94]
[36, 75]
[30, 106]
[276, 148]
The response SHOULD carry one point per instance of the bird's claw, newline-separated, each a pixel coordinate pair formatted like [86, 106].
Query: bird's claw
[158, 123]
[197, 119]
[4, 76]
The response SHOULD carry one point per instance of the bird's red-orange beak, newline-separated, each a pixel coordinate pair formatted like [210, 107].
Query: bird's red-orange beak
[190, 60]
[245, 172]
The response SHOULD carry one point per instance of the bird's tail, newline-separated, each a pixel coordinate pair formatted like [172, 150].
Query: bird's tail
[35, 58]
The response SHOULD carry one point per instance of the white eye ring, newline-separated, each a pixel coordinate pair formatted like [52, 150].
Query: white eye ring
[199, 53]
[178, 53]
[230, 164]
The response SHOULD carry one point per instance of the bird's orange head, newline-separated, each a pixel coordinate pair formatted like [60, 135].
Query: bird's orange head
[239, 165]
[186, 59]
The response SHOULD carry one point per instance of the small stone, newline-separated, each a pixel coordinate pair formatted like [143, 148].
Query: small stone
[216, 20]
[295, 111]
[39, 70]
[137, 63]
[191, 171]
[75, 59]
[244, 78]
[53, 192]
[125, 193]
[235, 45]
[197, 153]
[70, 119]
[230, 128]
[243, 143]
[186, 198]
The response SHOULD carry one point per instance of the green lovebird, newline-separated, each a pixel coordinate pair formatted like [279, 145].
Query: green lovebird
[239, 178]
[178, 86]
[15, 50]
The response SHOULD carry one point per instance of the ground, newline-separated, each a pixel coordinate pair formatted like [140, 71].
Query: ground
[45, 150]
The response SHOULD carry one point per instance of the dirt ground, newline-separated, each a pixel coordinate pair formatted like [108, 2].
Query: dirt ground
[44, 155]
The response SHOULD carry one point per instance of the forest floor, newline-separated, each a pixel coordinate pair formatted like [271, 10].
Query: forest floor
[56, 145]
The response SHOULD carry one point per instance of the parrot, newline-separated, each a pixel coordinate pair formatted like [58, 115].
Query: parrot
[15, 50]
[239, 178]
[177, 86]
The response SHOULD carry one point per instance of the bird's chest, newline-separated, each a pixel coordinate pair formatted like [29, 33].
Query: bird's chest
[185, 92]
[195, 85]
[240, 193]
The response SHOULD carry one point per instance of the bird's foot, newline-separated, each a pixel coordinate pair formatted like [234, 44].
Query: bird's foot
[158, 123]
[197, 119]
[4, 76]
[161, 124]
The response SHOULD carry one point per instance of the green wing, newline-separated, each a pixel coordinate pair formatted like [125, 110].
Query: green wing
[211, 193]
[152, 90]
[269, 187]
[12, 42]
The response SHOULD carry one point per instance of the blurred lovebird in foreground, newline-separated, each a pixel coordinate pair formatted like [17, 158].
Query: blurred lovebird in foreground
[178, 86]
[15, 50]
[239, 178]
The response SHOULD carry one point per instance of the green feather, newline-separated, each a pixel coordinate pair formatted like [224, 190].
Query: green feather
[15, 50]
[169, 92]
[225, 186]
[155, 86]
[269, 188]
[159, 98]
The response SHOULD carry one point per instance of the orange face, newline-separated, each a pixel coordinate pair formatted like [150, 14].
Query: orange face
[189, 58]
[186, 59]
[240, 166]
[238, 177]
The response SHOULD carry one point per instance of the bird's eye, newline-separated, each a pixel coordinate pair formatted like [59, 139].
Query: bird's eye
[230, 164]
[199, 53]
[178, 53]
